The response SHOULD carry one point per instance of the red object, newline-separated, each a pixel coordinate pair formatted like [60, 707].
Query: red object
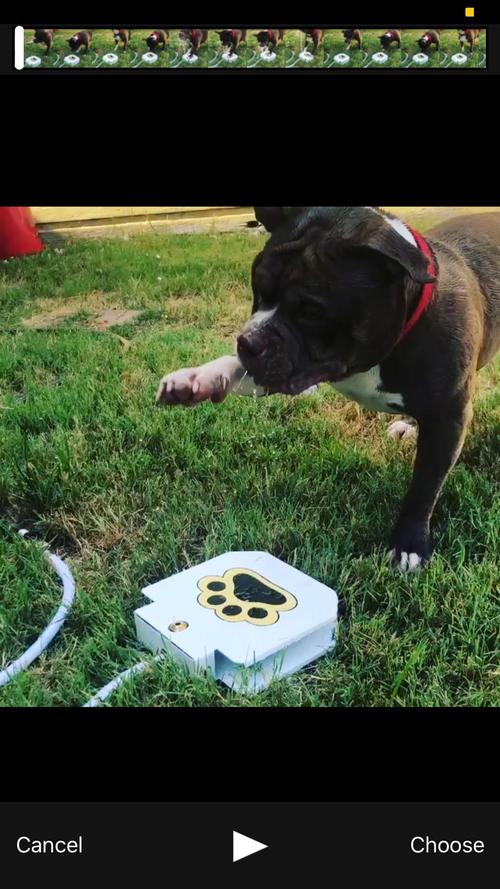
[18, 235]
[427, 290]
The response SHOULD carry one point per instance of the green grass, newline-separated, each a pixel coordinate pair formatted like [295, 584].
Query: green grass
[130, 493]
[449, 46]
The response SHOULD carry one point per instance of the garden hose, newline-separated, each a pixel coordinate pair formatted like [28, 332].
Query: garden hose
[108, 689]
[52, 628]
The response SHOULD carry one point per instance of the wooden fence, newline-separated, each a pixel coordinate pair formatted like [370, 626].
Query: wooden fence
[56, 222]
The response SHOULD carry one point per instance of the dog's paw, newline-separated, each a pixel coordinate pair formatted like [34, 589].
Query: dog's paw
[192, 385]
[402, 429]
[411, 545]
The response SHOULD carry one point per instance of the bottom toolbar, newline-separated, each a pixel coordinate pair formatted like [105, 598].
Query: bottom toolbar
[393, 842]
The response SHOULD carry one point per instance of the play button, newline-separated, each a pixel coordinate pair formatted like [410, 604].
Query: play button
[244, 846]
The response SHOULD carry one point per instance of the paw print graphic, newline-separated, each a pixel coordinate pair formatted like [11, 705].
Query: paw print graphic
[241, 594]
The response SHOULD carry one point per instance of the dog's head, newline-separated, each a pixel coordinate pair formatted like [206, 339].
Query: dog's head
[386, 39]
[153, 40]
[42, 35]
[425, 41]
[265, 38]
[75, 41]
[331, 293]
[227, 37]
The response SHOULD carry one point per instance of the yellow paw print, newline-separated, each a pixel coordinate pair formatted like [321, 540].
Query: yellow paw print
[241, 594]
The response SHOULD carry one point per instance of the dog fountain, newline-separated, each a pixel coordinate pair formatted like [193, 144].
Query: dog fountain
[247, 617]
[72, 60]
[380, 58]
[229, 56]
[459, 58]
[341, 58]
[190, 59]
[149, 57]
[110, 58]
[306, 56]
[420, 58]
[33, 61]
[267, 56]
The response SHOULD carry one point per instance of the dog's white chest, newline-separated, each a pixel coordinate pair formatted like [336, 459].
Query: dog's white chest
[366, 389]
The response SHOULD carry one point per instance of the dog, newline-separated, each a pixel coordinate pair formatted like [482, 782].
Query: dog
[391, 37]
[469, 37]
[269, 39]
[429, 39]
[123, 36]
[196, 38]
[231, 38]
[398, 322]
[353, 36]
[45, 35]
[157, 39]
[315, 36]
[80, 40]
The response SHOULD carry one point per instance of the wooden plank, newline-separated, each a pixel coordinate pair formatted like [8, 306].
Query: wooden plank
[75, 214]
[124, 229]
[426, 217]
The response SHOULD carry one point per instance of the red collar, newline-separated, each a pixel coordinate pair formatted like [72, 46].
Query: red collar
[427, 290]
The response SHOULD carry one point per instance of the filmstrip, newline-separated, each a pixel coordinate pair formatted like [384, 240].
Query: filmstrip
[250, 48]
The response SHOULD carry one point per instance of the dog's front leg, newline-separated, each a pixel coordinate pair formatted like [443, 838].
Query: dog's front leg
[440, 441]
[209, 382]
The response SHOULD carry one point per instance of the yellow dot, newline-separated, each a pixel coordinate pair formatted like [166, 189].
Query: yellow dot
[469, 12]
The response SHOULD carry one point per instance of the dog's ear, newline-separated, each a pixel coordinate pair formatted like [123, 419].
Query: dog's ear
[273, 218]
[385, 240]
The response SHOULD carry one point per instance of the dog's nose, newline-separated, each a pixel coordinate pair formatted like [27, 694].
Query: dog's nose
[250, 344]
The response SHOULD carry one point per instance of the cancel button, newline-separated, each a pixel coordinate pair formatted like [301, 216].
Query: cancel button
[50, 847]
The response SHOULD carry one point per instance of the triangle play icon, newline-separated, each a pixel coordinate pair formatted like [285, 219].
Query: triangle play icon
[244, 846]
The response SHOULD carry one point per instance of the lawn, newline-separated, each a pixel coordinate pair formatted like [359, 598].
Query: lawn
[130, 493]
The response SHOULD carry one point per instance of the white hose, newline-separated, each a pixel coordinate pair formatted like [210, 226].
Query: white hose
[215, 58]
[52, 629]
[108, 689]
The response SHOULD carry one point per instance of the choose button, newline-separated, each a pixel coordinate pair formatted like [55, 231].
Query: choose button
[429, 846]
